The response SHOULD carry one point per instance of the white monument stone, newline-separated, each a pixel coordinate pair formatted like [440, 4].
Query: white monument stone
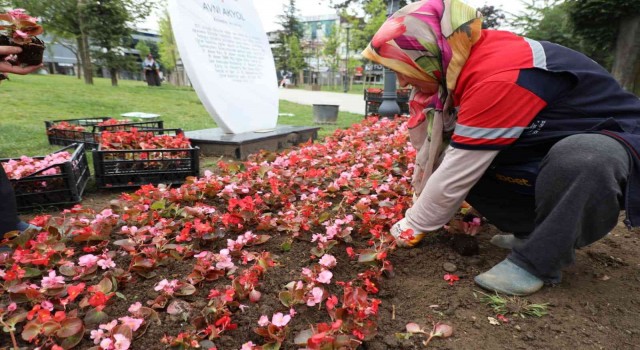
[227, 56]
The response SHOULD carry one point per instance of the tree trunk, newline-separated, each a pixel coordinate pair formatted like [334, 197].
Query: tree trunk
[114, 76]
[87, 67]
[79, 57]
[626, 64]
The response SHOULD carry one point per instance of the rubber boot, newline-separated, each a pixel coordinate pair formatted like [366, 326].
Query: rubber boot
[507, 241]
[509, 278]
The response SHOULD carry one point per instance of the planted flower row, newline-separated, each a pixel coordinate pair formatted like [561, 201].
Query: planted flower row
[63, 285]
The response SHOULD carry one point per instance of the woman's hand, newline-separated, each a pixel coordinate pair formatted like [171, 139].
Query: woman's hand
[6, 67]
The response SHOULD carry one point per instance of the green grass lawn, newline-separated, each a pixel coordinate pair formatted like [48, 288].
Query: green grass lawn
[27, 101]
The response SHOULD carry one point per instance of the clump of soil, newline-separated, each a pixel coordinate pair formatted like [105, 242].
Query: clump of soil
[31, 55]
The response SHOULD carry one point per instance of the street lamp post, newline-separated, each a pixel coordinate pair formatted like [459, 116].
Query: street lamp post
[389, 106]
[346, 62]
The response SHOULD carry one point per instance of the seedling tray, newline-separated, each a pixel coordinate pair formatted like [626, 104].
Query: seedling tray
[373, 99]
[133, 168]
[38, 191]
[91, 136]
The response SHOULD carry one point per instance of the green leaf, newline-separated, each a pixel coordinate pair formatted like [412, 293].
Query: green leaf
[30, 331]
[17, 318]
[286, 298]
[105, 285]
[31, 272]
[286, 245]
[94, 317]
[72, 341]
[324, 217]
[121, 296]
[186, 289]
[48, 328]
[302, 337]
[68, 270]
[159, 205]
[70, 327]
[367, 257]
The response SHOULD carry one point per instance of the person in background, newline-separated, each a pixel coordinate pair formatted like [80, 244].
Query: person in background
[538, 138]
[150, 69]
[9, 220]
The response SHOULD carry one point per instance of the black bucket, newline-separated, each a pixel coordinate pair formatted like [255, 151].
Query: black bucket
[325, 114]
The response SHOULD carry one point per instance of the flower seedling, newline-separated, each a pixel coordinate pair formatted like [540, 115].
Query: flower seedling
[19, 26]
[275, 331]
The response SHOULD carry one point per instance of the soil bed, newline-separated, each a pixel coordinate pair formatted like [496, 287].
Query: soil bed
[595, 307]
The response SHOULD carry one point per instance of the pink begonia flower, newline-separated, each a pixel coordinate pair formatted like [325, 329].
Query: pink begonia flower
[292, 312]
[133, 323]
[135, 307]
[106, 264]
[263, 321]
[248, 346]
[306, 272]
[52, 281]
[47, 305]
[316, 296]
[122, 343]
[109, 326]
[201, 255]
[88, 260]
[12, 307]
[106, 344]
[328, 261]
[208, 173]
[97, 335]
[2, 273]
[325, 277]
[129, 229]
[20, 34]
[167, 286]
[280, 320]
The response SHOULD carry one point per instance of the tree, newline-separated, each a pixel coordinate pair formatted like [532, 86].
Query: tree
[330, 51]
[296, 61]
[611, 26]
[168, 48]
[72, 19]
[143, 48]
[493, 17]
[363, 31]
[66, 19]
[343, 4]
[108, 23]
[291, 26]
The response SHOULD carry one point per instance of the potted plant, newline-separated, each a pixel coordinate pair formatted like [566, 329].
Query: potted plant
[20, 29]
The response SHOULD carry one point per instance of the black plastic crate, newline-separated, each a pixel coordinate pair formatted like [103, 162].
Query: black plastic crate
[373, 107]
[373, 99]
[90, 136]
[38, 191]
[132, 168]
[373, 95]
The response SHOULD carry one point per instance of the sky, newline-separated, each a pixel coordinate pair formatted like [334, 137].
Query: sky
[270, 9]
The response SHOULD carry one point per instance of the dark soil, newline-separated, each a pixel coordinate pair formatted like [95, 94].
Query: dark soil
[31, 54]
[597, 306]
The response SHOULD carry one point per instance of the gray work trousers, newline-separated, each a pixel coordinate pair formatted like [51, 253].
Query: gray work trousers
[579, 193]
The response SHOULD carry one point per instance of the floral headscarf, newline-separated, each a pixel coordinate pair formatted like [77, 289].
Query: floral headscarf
[428, 41]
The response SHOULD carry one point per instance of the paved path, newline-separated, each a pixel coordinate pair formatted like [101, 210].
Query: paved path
[347, 102]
